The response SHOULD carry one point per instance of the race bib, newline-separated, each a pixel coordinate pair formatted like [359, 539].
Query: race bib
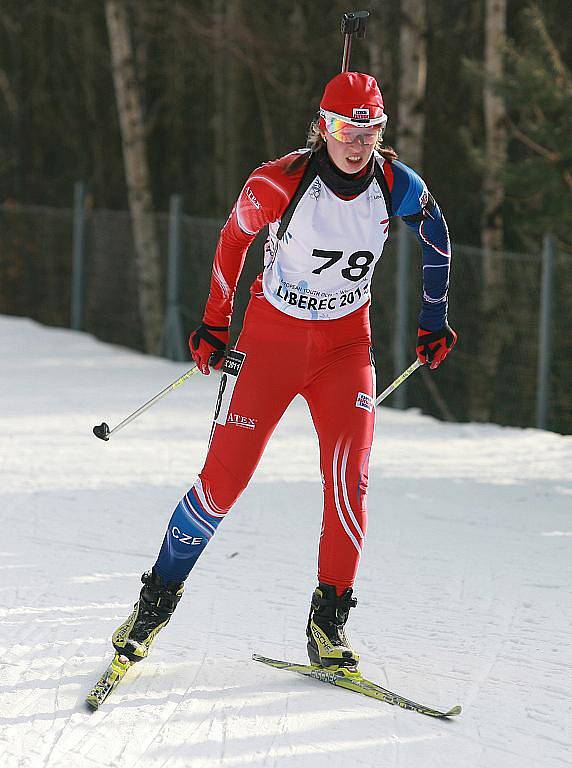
[232, 364]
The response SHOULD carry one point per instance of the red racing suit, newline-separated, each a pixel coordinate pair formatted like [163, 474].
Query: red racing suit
[302, 334]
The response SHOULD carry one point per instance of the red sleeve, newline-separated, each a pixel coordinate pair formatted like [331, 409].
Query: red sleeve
[263, 199]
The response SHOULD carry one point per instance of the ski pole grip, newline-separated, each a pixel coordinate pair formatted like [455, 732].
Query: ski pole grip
[355, 22]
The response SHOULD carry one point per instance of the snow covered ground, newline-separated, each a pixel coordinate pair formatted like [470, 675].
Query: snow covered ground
[464, 588]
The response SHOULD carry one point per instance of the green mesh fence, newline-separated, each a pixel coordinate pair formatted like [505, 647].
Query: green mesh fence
[495, 361]
[35, 263]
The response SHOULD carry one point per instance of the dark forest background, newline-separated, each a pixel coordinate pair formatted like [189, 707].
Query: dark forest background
[224, 86]
[58, 114]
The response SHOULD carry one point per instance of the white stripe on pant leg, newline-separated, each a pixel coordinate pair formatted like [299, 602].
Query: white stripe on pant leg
[337, 500]
[206, 502]
[196, 515]
[196, 519]
[219, 512]
[345, 491]
[373, 382]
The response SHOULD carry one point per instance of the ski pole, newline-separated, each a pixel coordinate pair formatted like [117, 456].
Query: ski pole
[102, 430]
[353, 23]
[399, 380]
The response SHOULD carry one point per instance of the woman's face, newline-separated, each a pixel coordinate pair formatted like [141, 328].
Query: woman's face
[349, 158]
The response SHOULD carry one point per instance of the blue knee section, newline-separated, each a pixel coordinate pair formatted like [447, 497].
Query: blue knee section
[190, 529]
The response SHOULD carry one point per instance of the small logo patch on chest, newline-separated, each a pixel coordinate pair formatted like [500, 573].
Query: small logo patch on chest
[316, 189]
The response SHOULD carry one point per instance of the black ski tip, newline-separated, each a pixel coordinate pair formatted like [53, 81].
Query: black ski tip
[101, 431]
[91, 705]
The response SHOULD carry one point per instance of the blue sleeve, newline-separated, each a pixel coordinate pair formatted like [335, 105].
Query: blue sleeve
[412, 201]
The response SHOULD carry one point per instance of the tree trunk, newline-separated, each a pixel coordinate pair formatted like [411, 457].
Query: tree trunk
[226, 82]
[410, 135]
[412, 81]
[132, 124]
[379, 55]
[232, 104]
[492, 286]
[495, 132]
[220, 57]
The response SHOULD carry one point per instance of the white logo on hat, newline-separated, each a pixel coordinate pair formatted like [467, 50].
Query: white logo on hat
[360, 113]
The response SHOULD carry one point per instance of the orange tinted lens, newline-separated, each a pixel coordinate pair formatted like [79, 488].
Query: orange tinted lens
[349, 133]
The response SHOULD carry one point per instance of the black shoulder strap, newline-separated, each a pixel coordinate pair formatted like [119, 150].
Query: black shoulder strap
[383, 185]
[308, 177]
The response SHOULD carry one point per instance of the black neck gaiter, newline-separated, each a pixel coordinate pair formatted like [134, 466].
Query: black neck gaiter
[344, 184]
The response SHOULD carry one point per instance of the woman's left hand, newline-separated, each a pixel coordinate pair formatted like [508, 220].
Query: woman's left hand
[434, 346]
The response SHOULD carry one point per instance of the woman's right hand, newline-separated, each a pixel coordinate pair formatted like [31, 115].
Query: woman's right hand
[207, 344]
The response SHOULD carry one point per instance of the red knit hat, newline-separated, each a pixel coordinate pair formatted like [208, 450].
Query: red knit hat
[354, 95]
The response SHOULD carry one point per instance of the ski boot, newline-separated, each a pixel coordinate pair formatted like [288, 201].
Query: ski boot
[151, 613]
[328, 645]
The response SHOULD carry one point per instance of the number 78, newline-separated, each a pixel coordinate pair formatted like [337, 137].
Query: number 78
[360, 260]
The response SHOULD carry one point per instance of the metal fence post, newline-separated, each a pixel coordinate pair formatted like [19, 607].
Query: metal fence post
[174, 344]
[401, 338]
[544, 332]
[78, 257]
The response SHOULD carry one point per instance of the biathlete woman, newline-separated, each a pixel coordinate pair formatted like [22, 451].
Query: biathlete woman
[328, 210]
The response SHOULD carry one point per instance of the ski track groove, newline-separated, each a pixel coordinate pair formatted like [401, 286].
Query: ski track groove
[66, 724]
[181, 699]
[280, 730]
[486, 745]
[224, 740]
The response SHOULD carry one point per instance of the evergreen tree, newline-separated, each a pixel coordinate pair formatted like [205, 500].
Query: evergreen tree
[538, 92]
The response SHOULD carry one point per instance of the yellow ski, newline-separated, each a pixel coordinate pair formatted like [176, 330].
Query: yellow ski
[350, 678]
[114, 673]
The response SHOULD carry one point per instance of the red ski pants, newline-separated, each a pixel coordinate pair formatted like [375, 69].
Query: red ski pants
[329, 363]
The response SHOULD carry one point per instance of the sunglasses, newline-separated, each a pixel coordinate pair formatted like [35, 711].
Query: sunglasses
[341, 130]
